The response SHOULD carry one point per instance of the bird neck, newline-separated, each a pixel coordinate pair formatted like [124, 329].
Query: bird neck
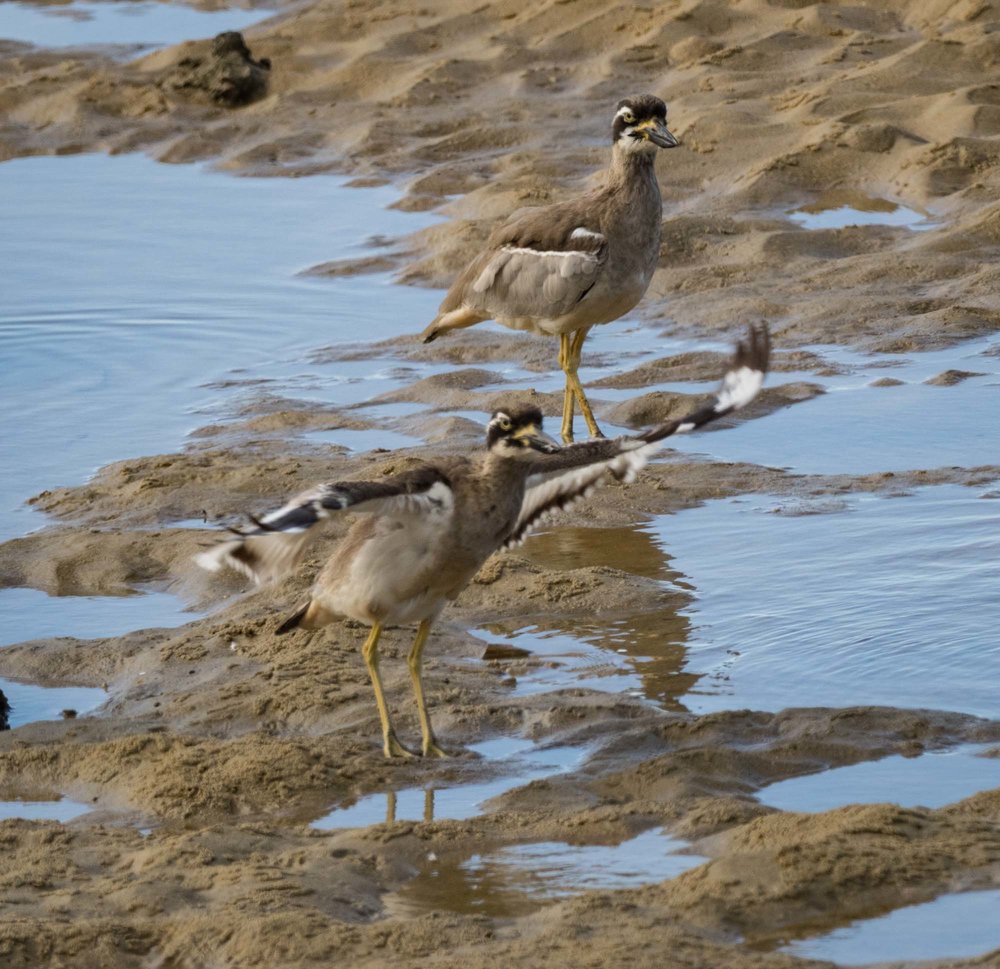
[631, 168]
[505, 472]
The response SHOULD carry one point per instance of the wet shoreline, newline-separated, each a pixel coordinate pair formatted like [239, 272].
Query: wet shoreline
[692, 641]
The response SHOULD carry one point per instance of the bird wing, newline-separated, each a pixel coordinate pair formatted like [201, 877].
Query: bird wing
[545, 500]
[276, 543]
[595, 463]
[537, 266]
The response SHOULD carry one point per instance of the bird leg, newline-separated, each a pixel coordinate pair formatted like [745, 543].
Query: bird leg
[564, 357]
[429, 747]
[391, 746]
[575, 352]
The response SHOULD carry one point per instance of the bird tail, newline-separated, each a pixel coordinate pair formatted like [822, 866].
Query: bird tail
[310, 616]
[452, 320]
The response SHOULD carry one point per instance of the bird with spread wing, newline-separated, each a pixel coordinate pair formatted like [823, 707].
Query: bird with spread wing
[422, 535]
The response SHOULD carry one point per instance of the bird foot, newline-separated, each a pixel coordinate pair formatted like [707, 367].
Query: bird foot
[431, 749]
[391, 747]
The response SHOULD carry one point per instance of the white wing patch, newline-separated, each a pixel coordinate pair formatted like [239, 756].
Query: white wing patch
[739, 387]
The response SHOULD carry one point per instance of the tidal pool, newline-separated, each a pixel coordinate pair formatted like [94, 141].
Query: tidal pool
[517, 880]
[520, 760]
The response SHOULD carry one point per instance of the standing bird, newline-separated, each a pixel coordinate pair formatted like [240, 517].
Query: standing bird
[560, 269]
[424, 534]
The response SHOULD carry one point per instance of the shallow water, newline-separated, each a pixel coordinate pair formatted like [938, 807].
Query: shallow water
[157, 290]
[931, 780]
[839, 209]
[950, 927]
[89, 24]
[60, 810]
[517, 880]
[855, 428]
[30, 614]
[29, 703]
[27, 614]
[521, 762]
[888, 600]
[641, 655]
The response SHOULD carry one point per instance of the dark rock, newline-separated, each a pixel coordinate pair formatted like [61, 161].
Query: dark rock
[4, 712]
[226, 73]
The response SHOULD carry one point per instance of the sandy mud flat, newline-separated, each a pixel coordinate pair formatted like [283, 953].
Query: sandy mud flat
[739, 713]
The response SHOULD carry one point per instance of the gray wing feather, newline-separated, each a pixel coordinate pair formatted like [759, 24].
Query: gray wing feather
[521, 282]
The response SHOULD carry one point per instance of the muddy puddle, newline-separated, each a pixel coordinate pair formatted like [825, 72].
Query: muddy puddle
[932, 780]
[840, 209]
[518, 762]
[134, 24]
[62, 810]
[950, 927]
[517, 880]
[30, 703]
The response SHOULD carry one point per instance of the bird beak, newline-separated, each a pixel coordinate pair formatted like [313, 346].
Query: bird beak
[656, 131]
[537, 440]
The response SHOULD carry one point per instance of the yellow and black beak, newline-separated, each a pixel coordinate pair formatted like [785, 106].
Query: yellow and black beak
[534, 437]
[655, 130]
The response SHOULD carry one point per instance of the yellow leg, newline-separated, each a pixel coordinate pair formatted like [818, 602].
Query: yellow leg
[572, 380]
[391, 746]
[429, 747]
[564, 359]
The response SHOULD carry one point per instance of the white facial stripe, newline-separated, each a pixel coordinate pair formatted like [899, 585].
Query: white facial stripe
[624, 111]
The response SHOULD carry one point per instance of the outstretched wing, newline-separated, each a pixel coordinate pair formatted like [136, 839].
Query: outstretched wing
[560, 493]
[595, 463]
[275, 544]
[740, 385]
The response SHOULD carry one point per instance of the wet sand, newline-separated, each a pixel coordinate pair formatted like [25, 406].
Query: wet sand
[219, 745]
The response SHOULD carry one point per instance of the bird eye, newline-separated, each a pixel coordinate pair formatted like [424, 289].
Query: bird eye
[628, 117]
[505, 424]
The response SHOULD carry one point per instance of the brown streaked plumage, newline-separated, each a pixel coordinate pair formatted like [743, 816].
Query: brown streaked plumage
[424, 534]
[561, 269]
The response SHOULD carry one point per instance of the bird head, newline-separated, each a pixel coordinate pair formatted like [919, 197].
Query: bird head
[517, 431]
[641, 124]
